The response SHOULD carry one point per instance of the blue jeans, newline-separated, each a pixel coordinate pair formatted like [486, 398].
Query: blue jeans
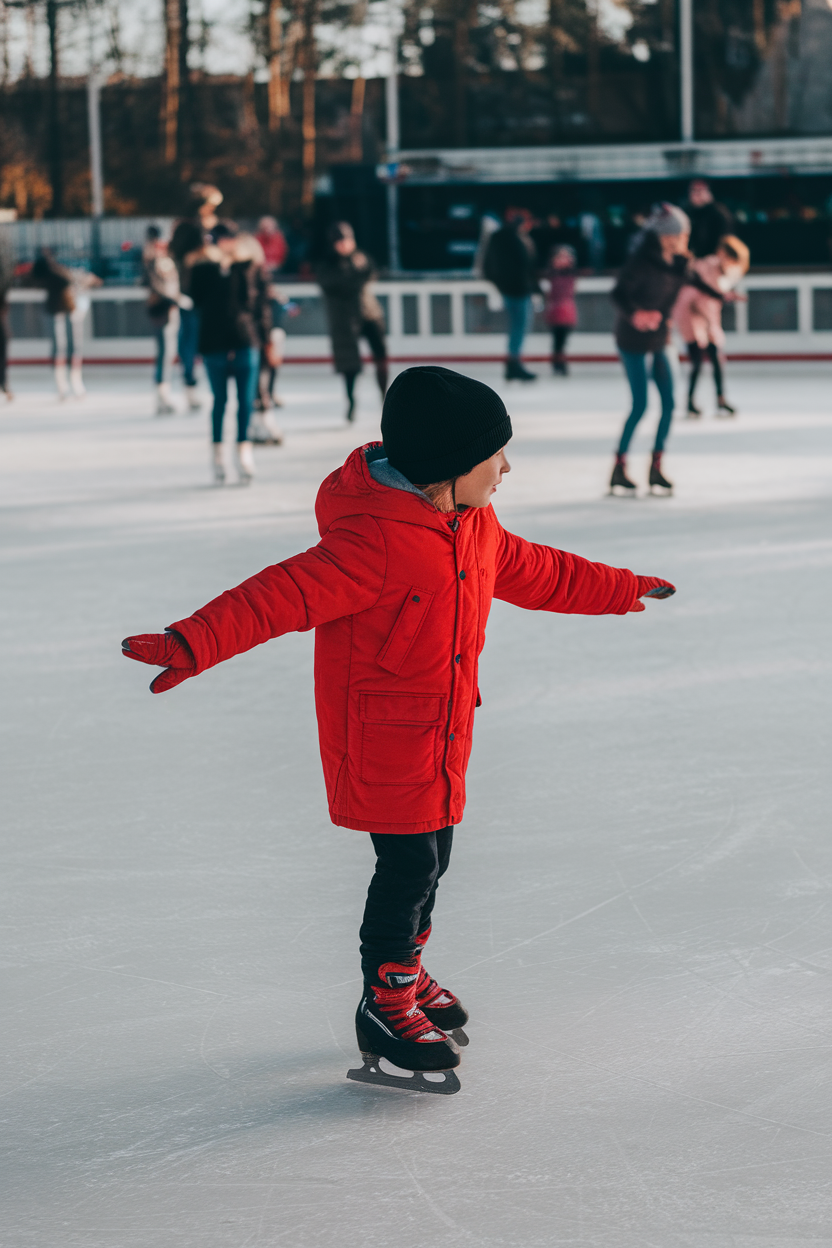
[188, 342]
[635, 366]
[244, 366]
[517, 310]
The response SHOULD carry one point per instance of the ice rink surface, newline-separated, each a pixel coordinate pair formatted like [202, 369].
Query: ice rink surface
[638, 909]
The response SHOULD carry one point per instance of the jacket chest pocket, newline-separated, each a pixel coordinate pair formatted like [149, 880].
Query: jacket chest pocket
[406, 629]
[399, 737]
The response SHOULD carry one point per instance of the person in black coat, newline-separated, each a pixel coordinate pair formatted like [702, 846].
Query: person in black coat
[511, 264]
[709, 221]
[345, 276]
[230, 289]
[644, 296]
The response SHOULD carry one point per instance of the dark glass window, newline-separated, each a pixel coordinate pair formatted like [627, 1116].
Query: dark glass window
[762, 67]
[822, 308]
[410, 314]
[774, 310]
[440, 314]
[545, 71]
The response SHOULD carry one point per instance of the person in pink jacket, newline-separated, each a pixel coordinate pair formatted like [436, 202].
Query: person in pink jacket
[561, 309]
[698, 317]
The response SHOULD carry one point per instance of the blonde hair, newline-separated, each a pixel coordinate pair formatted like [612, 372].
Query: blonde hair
[441, 493]
[736, 250]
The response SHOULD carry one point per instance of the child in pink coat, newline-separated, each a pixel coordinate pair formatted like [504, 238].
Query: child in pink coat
[561, 310]
[698, 317]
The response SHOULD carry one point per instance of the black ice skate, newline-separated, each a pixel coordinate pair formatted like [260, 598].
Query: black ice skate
[724, 408]
[516, 371]
[657, 480]
[440, 1005]
[619, 479]
[693, 412]
[400, 1046]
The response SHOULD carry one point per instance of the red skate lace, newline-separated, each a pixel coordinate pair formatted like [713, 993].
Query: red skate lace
[428, 992]
[404, 1015]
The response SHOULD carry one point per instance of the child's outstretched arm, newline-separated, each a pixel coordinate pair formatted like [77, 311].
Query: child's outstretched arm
[541, 578]
[340, 576]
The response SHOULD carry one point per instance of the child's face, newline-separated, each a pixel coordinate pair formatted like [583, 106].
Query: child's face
[476, 488]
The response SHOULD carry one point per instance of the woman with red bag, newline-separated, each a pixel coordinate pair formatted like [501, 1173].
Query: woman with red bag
[399, 589]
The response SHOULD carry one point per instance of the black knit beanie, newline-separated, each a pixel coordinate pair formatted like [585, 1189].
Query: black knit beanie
[437, 424]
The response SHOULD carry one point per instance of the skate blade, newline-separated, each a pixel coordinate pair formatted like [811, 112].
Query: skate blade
[461, 1038]
[384, 1074]
[611, 492]
[659, 491]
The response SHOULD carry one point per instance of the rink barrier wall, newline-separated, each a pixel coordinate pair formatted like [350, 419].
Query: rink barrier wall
[788, 317]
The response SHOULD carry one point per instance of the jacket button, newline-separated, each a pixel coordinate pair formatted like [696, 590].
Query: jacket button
[458, 659]
[415, 598]
[462, 576]
[451, 737]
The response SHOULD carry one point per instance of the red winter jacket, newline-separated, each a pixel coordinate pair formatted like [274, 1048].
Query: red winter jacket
[399, 594]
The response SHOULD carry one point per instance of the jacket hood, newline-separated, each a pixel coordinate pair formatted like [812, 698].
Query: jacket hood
[352, 491]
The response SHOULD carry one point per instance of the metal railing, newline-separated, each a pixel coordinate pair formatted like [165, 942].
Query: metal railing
[786, 316]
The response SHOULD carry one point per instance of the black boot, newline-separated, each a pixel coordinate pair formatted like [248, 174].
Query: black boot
[724, 408]
[619, 478]
[389, 1023]
[693, 411]
[657, 480]
[516, 372]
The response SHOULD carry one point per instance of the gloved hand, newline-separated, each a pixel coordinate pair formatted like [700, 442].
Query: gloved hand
[167, 650]
[652, 587]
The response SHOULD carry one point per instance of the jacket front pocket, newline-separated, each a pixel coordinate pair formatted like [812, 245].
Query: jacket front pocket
[404, 632]
[399, 737]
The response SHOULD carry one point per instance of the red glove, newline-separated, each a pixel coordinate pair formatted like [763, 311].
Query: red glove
[167, 650]
[652, 587]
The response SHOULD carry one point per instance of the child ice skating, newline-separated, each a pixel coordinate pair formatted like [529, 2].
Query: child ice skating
[698, 317]
[398, 590]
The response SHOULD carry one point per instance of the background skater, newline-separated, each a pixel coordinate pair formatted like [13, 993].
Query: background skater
[399, 588]
[698, 317]
[644, 295]
[353, 312]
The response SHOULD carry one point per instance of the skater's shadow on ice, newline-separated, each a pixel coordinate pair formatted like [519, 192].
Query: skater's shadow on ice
[221, 1098]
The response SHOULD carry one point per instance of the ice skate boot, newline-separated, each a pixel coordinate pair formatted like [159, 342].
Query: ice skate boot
[61, 381]
[657, 480]
[400, 1047]
[76, 382]
[516, 371]
[619, 479]
[245, 463]
[351, 410]
[194, 401]
[265, 431]
[164, 405]
[724, 408]
[693, 412]
[218, 462]
[440, 1005]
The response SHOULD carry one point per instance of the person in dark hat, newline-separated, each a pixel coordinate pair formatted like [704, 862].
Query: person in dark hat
[345, 276]
[399, 589]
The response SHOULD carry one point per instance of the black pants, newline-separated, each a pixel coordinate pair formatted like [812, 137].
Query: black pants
[401, 895]
[697, 355]
[374, 334]
[559, 335]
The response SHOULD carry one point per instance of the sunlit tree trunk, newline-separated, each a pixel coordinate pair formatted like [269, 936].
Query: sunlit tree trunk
[359, 86]
[171, 80]
[308, 129]
[56, 173]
